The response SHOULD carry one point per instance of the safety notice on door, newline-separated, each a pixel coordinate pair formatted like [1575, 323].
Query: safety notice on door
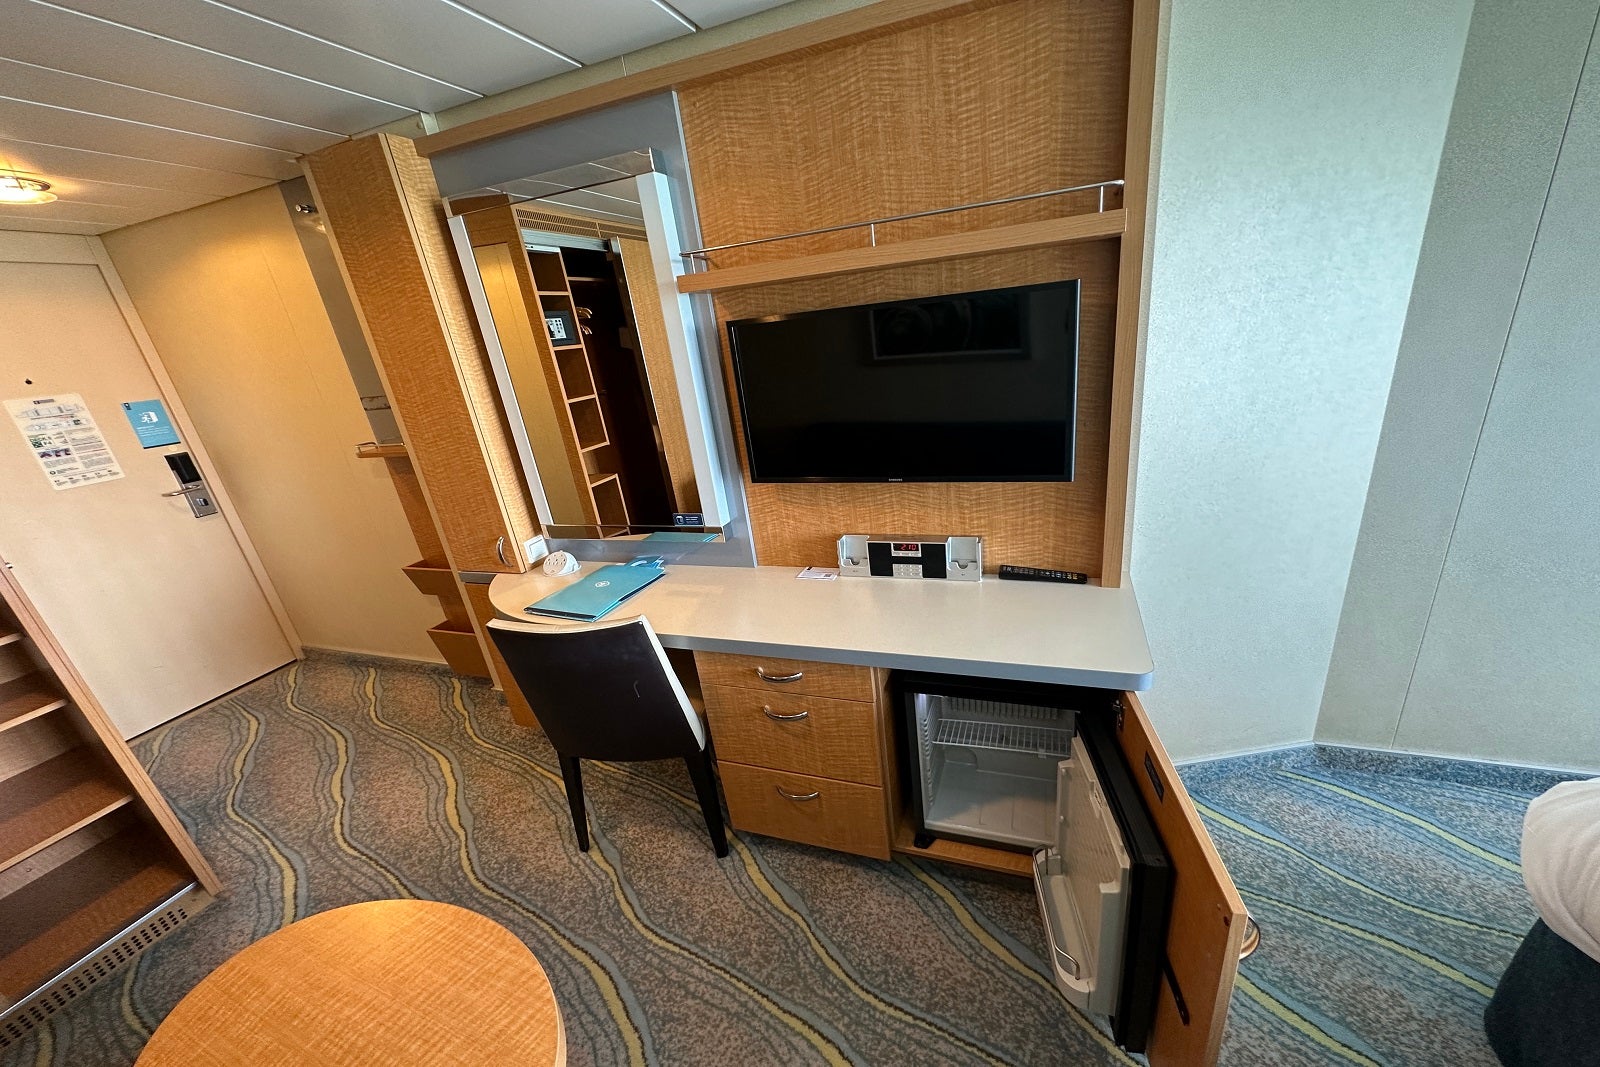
[65, 440]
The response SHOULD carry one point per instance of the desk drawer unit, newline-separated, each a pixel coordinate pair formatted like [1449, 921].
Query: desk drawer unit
[821, 736]
[814, 811]
[839, 680]
[801, 749]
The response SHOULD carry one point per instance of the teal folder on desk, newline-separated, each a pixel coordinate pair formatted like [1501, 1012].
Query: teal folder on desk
[592, 596]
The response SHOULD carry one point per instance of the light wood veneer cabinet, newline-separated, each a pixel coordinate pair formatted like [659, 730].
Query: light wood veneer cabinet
[801, 749]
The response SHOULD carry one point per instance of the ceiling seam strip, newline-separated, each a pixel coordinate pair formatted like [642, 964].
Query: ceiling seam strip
[688, 23]
[503, 28]
[291, 153]
[223, 55]
[344, 47]
[139, 159]
[171, 96]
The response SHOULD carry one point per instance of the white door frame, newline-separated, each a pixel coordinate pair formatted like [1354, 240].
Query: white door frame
[17, 246]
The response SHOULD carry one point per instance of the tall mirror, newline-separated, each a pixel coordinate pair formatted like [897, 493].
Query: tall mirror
[572, 276]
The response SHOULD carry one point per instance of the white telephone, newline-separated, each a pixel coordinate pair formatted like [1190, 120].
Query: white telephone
[558, 563]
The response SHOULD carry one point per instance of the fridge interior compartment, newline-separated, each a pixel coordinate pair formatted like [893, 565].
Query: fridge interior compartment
[985, 798]
[1083, 881]
[987, 767]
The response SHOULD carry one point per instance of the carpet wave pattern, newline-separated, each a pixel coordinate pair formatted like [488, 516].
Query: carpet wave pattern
[1389, 902]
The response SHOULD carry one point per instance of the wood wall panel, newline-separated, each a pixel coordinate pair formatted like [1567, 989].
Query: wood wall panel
[1019, 98]
[1133, 313]
[976, 106]
[387, 225]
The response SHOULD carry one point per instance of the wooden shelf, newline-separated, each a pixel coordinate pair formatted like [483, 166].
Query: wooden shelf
[568, 348]
[392, 450]
[555, 292]
[55, 920]
[588, 424]
[9, 638]
[585, 396]
[433, 581]
[26, 698]
[989, 859]
[460, 649]
[1092, 227]
[42, 805]
[580, 278]
[600, 479]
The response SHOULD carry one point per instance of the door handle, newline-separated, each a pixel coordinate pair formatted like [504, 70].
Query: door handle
[761, 672]
[782, 792]
[775, 717]
[500, 550]
[185, 491]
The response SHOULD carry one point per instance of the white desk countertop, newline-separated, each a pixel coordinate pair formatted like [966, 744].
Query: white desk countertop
[1028, 631]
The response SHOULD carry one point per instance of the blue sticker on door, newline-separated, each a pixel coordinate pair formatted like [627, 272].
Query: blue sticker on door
[150, 423]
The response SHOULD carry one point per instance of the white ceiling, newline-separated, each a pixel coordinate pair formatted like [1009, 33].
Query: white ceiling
[133, 109]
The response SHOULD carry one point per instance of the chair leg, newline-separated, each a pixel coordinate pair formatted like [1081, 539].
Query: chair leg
[705, 787]
[574, 783]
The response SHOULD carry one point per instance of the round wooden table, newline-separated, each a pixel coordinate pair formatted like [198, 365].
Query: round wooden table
[383, 983]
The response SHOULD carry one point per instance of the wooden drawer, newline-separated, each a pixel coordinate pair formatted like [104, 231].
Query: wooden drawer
[842, 815]
[840, 680]
[832, 738]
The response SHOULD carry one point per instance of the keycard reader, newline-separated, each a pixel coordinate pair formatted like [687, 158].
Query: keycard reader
[191, 484]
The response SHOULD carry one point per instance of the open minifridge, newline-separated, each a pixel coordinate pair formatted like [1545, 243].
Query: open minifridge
[1036, 768]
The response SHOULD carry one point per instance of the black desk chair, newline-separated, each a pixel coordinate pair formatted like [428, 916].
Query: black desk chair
[605, 691]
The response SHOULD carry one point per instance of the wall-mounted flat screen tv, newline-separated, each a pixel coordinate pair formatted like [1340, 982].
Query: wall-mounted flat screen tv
[971, 387]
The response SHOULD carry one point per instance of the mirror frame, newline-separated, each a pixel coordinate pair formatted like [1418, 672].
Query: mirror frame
[683, 342]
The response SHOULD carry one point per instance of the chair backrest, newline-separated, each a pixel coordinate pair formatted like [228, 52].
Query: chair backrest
[601, 691]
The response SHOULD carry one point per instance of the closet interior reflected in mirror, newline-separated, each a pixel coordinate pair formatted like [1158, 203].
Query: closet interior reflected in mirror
[575, 297]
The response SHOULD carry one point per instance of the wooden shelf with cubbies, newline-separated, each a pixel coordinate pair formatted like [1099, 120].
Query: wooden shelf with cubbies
[94, 864]
[574, 377]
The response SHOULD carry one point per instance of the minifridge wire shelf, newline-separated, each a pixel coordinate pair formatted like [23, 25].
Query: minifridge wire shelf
[1004, 737]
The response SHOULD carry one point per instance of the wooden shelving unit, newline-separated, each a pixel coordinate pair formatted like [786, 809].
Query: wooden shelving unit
[586, 416]
[94, 865]
[454, 637]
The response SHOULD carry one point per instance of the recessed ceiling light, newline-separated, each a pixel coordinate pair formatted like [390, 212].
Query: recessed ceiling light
[17, 190]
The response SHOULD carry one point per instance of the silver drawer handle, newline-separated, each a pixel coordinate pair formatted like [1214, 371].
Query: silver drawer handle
[814, 794]
[500, 550]
[765, 677]
[775, 717]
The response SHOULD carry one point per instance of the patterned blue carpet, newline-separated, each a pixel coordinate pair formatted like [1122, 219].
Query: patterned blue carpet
[1389, 901]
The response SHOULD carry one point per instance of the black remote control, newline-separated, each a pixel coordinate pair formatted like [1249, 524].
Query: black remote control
[1039, 574]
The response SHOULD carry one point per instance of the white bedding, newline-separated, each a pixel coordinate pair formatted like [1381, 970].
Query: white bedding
[1561, 861]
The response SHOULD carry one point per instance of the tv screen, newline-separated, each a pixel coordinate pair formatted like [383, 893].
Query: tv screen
[974, 387]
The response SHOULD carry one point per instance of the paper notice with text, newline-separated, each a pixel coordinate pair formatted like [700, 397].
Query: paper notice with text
[65, 440]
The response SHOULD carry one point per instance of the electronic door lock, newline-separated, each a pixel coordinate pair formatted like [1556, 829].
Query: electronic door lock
[191, 485]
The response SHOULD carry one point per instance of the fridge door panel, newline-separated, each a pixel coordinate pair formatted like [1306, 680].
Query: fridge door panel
[1082, 883]
[1207, 914]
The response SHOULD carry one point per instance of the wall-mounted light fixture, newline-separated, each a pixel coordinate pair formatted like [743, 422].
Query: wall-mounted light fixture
[15, 189]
